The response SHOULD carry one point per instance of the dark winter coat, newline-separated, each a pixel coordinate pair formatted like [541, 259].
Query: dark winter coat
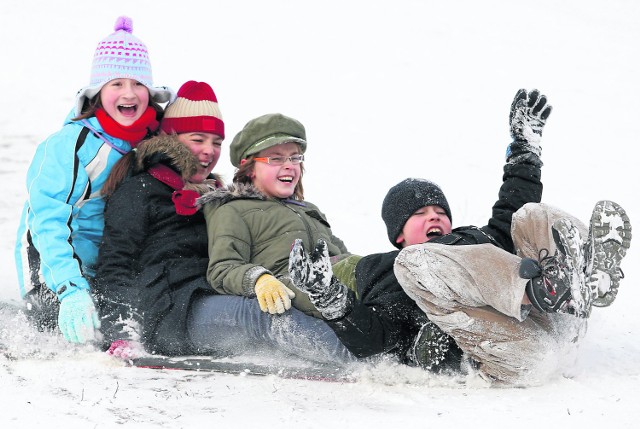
[152, 260]
[384, 319]
[251, 234]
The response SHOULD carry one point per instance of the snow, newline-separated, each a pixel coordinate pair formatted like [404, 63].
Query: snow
[387, 90]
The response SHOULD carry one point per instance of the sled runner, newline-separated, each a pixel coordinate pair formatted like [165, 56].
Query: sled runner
[206, 364]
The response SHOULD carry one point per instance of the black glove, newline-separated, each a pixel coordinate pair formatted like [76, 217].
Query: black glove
[313, 275]
[527, 118]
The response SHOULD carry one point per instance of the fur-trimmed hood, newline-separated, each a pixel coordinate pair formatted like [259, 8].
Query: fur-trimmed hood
[234, 191]
[167, 149]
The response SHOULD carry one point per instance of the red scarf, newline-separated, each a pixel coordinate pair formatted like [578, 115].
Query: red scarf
[133, 133]
[183, 199]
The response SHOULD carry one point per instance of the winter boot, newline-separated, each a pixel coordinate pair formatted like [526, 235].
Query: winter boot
[431, 348]
[557, 282]
[42, 307]
[608, 242]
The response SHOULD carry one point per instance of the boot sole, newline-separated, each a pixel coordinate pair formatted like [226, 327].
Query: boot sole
[568, 240]
[608, 242]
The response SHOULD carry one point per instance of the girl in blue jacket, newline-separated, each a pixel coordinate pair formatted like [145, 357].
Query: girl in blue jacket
[62, 222]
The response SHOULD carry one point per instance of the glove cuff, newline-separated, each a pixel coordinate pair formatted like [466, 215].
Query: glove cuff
[250, 279]
[341, 303]
[522, 152]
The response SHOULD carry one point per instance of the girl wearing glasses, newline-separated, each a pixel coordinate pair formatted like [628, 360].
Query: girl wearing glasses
[251, 226]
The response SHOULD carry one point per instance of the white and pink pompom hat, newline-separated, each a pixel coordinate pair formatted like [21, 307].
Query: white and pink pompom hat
[121, 55]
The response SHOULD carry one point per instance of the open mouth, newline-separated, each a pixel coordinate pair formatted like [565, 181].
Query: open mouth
[286, 179]
[128, 109]
[434, 232]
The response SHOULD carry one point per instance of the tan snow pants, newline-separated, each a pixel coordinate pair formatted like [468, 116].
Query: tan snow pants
[474, 294]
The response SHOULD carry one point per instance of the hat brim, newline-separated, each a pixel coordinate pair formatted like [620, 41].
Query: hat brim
[274, 141]
[159, 94]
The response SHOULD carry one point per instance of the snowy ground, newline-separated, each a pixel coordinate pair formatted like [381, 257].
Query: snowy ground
[387, 90]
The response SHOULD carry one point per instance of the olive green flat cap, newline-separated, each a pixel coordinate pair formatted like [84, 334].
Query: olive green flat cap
[264, 132]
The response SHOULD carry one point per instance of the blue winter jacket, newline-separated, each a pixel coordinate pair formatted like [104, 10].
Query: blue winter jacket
[63, 216]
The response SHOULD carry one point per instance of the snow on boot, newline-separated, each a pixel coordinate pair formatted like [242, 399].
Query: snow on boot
[558, 284]
[430, 347]
[42, 308]
[607, 244]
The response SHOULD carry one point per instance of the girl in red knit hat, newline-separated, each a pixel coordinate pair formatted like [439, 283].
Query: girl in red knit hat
[148, 262]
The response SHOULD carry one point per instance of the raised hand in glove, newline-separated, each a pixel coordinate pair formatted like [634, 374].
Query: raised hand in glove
[527, 118]
[78, 319]
[313, 275]
[273, 296]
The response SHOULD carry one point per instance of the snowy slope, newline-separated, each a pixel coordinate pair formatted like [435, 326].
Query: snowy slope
[387, 90]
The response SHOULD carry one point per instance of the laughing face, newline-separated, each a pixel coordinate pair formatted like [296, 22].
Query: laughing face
[278, 181]
[125, 100]
[206, 147]
[423, 225]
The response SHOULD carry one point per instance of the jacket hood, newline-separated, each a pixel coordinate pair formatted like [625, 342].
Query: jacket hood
[166, 149]
[235, 191]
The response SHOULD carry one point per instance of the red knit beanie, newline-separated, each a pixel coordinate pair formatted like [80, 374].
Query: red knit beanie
[195, 110]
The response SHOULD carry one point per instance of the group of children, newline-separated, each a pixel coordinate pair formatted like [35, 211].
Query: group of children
[129, 240]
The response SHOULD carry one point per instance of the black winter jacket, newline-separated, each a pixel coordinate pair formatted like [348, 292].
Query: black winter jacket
[152, 260]
[383, 318]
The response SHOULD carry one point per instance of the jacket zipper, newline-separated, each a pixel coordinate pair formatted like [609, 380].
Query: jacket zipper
[307, 227]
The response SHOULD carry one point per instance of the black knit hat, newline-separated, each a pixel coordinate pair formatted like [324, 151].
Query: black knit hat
[404, 199]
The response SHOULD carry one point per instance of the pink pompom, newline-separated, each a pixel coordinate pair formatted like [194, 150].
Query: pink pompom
[124, 23]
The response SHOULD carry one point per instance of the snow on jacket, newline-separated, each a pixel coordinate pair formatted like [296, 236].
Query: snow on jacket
[63, 216]
[152, 260]
[384, 319]
[251, 234]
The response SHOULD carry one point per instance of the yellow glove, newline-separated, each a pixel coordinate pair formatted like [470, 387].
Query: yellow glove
[273, 296]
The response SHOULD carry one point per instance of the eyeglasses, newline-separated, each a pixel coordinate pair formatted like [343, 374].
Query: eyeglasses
[280, 160]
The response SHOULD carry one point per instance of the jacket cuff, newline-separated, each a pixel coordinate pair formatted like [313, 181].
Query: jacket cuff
[70, 286]
[250, 279]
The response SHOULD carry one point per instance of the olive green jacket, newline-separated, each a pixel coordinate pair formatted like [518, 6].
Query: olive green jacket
[250, 234]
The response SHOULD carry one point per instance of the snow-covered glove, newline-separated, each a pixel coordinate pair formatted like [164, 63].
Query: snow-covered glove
[527, 118]
[273, 296]
[78, 319]
[313, 275]
[126, 349]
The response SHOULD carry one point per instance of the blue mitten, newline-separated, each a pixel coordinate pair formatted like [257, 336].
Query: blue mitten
[78, 318]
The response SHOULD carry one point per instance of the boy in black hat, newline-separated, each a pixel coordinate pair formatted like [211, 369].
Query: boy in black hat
[381, 318]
